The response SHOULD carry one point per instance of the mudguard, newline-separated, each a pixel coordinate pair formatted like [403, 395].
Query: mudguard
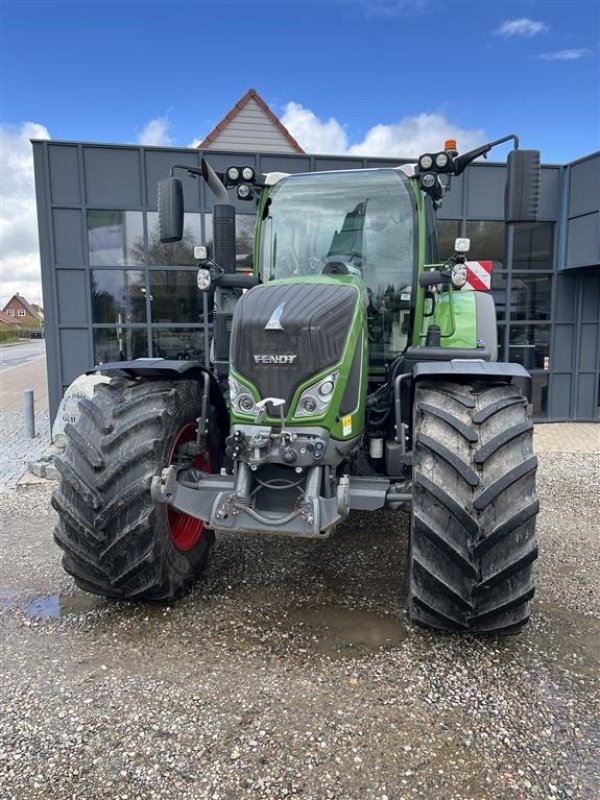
[472, 367]
[160, 369]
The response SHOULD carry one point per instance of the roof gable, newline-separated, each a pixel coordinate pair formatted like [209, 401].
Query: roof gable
[251, 125]
[23, 303]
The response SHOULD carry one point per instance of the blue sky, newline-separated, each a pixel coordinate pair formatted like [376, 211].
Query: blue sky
[358, 76]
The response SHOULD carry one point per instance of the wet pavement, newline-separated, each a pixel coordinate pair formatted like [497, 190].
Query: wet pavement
[291, 671]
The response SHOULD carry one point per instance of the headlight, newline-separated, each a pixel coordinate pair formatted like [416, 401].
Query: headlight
[425, 162]
[428, 180]
[203, 280]
[459, 276]
[315, 400]
[248, 173]
[241, 399]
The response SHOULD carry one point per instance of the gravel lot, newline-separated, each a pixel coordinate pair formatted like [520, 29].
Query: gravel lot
[291, 671]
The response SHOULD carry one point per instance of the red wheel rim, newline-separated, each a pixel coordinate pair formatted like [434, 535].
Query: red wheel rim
[185, 531]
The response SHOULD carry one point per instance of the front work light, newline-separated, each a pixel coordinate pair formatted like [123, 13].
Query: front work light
[248, 174]
[425, 162]
[233, 174]
[244, 192]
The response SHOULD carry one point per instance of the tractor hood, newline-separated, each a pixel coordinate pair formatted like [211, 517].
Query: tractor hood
[284, 333]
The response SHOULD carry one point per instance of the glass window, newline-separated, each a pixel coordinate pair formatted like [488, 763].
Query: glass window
[530, 346]
[118, 295]
[448, 232]
[531, 296]
[179, 343]
[533, 245]
[487, 240]
[245, 225]
[175, 297]
[115, 238]
[498, 292]
[501, 351]
[177, 254]
[119, 344]
[539, 395]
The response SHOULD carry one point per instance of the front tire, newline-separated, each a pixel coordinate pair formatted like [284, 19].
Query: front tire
[117, 541]
[472, 541]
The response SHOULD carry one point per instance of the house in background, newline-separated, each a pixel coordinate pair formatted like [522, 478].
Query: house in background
[26, 314]
[251, 126]
[8, 322]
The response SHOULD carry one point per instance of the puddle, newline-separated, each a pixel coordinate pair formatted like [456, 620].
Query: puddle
[569, 639]
[54, 606]
[340, 628]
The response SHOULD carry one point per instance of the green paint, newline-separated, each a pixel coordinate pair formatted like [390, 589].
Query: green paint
[456, 315]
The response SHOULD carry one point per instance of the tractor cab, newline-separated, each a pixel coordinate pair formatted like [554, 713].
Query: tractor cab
[351, 223]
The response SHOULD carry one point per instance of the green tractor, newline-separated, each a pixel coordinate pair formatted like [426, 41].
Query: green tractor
[349, 370]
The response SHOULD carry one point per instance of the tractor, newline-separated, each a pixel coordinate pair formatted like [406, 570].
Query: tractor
[349, 370]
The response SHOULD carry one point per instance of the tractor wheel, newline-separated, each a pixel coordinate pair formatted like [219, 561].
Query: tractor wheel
[117, 541]
[472, 542]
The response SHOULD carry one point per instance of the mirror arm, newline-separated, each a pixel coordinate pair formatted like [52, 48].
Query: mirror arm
[463, 161]
[212, 178]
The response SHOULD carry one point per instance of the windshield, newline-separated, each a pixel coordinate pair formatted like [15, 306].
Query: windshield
[356, 222]
[362, 219]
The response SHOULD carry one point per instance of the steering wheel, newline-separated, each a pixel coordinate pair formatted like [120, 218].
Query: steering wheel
[335, 268]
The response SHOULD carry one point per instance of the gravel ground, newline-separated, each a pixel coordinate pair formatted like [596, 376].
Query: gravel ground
[290, 671]
[18, 449]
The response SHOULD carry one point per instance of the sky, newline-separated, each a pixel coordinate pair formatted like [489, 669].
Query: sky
[373, 77]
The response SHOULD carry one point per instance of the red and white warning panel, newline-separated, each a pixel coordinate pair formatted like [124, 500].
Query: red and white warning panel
[479, 276]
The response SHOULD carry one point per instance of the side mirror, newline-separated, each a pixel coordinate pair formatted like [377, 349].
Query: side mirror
[522, 196]
[170, 210]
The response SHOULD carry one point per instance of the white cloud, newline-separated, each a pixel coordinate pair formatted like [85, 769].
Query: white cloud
[396, 9]
[407, 138]
[313, 134]
[527, 28]
[19, 251]
[566, 55]
[156, 133]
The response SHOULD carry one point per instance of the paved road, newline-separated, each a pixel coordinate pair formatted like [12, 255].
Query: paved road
[16, 355]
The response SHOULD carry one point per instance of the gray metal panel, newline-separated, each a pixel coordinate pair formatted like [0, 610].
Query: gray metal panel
[68, 244]
[42, 192]
[562, 356]
[585, 406]
[64, 175]
[326, 163]
[560, 397]
[452, 204]
[157, 165]
[566, 292]
[112, 177]
[590, 308]
[284, 164]
[76, 357]
[549, 193]
[589, 358]
[583, 241]
[584, 189]
[485, 191]
[73, 289]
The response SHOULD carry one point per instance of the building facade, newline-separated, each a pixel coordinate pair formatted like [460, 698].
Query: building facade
[26, 314]
[112, 291]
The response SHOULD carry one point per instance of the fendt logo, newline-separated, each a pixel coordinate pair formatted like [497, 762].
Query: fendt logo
[264, 359]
